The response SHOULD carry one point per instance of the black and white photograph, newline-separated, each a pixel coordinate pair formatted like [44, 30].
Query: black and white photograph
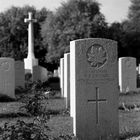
[70, 70]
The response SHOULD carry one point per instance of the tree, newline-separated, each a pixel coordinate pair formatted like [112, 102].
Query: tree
[14, 34]
[132, 30]
[74, 19]
[134, 15]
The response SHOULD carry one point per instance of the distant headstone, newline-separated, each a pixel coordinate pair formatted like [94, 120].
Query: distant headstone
[19, 74]
[127, 74]
[62, 76]
[59, 72]
[94, 89]
[7, 77]
[55, 73]
[40, 73]
[139, 69]
[67, 79]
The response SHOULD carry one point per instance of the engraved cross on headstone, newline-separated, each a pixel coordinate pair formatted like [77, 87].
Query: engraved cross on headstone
[30, 20]
[97, 101]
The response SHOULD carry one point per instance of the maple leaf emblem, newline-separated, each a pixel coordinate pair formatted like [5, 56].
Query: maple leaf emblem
[97, 56]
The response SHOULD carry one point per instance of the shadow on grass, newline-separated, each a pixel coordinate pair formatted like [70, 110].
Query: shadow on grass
[130, 93]
[129, 135]
[14, 115]
[5, 98]
[63, 112]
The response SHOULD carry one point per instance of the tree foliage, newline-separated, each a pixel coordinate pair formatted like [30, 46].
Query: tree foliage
[14, 34]
[131, 28]
[74, 19]
[134, 15]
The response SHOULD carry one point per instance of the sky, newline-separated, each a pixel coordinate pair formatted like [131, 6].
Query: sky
[114, 10]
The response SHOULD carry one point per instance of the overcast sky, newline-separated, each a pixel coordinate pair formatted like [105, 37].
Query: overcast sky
[114, 10]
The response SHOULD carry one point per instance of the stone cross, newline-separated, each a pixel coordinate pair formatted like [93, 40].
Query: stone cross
[97, 101]
[30, 20]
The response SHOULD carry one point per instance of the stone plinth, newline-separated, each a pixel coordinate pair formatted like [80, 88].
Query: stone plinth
[30, 63]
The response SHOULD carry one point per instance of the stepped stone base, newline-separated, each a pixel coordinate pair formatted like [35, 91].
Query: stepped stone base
[30, 63]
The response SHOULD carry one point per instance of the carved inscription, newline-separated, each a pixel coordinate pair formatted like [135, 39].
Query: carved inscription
[5, 65]
[96, 56]
[128, 63]
[93, 77]
[97, 101]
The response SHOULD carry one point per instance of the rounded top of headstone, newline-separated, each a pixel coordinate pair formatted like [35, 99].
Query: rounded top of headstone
[96, 39]
[6, 58]
[66, 54]
[127, 57]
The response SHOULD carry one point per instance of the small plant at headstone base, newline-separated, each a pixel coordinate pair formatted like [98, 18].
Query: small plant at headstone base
[65, 137]
[36, 130]
[33, 104]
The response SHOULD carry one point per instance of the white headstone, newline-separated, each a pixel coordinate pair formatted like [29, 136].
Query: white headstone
[62, 76]
[127, 74]
[55, 73]
[40, 73]
[30, 61]
[94, 89]
[59, 72]
[7, 77]
[19, 74]
[67, 79]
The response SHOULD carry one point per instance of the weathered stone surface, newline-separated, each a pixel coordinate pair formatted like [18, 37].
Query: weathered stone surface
[67, 79]
[19, 74]
[94, 89]
[7, 77]
[127, 74]
[62, 76]
[55, 73]
[40, 73]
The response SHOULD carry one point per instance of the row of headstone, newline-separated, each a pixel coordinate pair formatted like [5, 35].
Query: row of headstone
[12, 75]
[127, 74]
[89, 82]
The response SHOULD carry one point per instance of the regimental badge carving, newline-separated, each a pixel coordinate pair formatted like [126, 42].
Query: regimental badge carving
[96, 56]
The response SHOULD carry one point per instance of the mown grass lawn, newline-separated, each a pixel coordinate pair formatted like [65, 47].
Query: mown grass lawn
[61, 124]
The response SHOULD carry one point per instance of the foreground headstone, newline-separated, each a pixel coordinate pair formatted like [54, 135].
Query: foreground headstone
[40, 73]
[127, 74]
[94, 89]
[19, 74]
[62, 76]
[7, 77]
[67, 79]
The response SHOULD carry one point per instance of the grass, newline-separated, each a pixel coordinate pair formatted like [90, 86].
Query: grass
[61, 124]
